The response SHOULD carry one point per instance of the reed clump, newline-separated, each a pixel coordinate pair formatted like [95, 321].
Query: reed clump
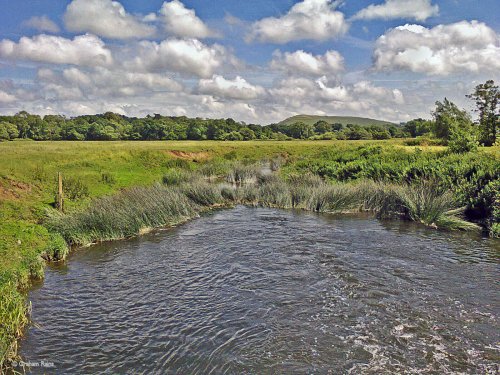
[125, 214]
[134, 210]
[204, 194]
[175, 177]
[274, 192]
[423, 202]
[241, 173]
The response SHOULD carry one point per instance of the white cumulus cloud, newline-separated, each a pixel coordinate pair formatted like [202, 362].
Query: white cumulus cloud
[82, 50]
[6, 97]
[105, 18]
[309, 19]
[418, 10]
[238, 88]
[183, 22]
[459, 47]
[300, 62]
[187, 56]
[103, 82]
[42, 24]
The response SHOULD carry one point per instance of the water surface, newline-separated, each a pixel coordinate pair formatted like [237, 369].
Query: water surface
[272, 291]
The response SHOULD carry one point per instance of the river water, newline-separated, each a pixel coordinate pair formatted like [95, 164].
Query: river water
[271, 291]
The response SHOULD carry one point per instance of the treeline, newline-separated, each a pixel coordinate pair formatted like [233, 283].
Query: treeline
[111, 126]
[450, 124]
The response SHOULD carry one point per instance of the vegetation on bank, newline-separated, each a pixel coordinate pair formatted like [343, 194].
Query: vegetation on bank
[119, 189]
[137, 210]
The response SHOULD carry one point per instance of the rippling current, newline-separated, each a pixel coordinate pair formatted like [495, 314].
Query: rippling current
[271, 291]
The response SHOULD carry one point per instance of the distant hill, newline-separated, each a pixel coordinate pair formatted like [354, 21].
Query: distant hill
[344, 120]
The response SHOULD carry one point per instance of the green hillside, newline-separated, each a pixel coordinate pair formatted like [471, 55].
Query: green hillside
[344, 120]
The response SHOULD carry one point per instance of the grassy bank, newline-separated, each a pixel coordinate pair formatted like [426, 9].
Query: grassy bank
[120, 189]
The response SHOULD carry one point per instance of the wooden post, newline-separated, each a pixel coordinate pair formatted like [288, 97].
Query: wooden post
[60, 196]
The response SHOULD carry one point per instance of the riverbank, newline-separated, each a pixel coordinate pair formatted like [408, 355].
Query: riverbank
[98, 208]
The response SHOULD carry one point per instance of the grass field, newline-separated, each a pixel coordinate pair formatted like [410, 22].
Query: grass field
[28, 172]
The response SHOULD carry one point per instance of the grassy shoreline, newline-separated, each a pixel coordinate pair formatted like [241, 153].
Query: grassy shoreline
[116, 193]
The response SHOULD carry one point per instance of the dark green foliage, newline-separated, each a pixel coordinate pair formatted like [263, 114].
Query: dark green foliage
[462, 141]
[8, 131]
[487, 98]
[418, 127]
[449, 118]
[110, 127]
[465, 175]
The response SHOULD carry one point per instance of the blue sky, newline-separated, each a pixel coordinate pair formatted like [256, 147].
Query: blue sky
[256, 60]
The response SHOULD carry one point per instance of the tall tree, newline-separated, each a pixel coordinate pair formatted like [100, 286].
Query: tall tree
[448, 117]
[487, 96]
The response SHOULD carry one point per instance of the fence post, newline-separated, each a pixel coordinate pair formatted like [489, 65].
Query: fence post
[60, 197]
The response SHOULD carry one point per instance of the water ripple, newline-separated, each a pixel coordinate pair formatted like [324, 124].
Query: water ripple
[270, 291]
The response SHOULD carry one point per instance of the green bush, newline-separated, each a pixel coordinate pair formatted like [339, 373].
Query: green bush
[75, 188]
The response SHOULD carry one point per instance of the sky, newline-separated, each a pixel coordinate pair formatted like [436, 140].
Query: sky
[258, 61]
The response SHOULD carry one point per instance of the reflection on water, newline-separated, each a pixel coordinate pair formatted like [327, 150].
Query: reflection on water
[270, 291]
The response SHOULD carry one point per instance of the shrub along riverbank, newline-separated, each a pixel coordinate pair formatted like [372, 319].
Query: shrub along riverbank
[117, 190]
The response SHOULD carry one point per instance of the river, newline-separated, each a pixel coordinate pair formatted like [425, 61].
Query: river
[251, 290]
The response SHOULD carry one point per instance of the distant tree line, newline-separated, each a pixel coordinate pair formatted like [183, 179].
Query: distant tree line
[111, 126]
[450, 124]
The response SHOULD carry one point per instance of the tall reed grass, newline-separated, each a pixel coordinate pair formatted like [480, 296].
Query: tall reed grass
[132, 211]
[125, 214]
[241, 174]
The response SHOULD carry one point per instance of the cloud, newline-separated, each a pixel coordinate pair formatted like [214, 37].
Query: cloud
[309, 19]
[103, 82]
[6, 97]
[183, 22]
[82, 50]
[332, 94]
[186, 56]
[378, 93]
[418, 10]
[459, 47]
[105, 18]
[238, 88]
[41, 23]
[305, 95]
[302, 62]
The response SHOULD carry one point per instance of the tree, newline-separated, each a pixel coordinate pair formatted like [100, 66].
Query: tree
[232, 136]
[300, 130]
[448, 117]
[380, 134]
[322, 127]
[418, 127]
[247, 134]
[8, 131]
[357, 133]
[337, 126]
[487, 96]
